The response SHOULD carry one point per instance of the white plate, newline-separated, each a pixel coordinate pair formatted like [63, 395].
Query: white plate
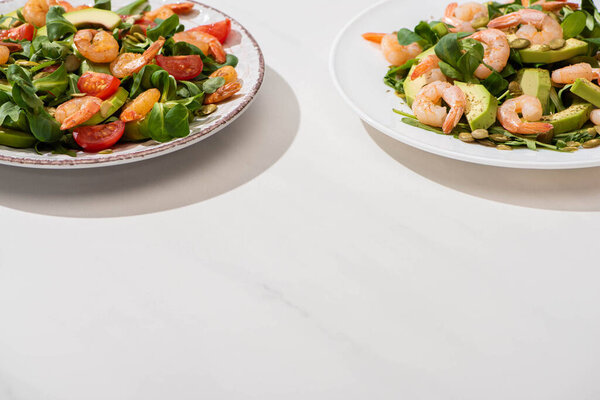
[358, 68]
[250, 70]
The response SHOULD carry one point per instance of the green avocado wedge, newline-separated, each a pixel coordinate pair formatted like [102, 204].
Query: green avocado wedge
[17, 139]
[536, 82]
[89, 17]
[481, 105]
[570, 119]
[412, 87]
[109, 107]
[537, 54]
[587, 91]
[136, 131]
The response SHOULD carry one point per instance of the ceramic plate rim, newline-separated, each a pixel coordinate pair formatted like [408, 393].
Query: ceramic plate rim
[162, 148]
[521, 164]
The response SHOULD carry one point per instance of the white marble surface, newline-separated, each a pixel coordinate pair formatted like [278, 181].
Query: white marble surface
[299, 255]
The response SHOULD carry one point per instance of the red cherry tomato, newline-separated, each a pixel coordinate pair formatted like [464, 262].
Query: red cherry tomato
[182, 68]
[98, 84]
[220, 29]
[23, 32]
[99, 137]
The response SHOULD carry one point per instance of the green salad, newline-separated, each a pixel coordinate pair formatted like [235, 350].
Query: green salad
[515, 75]
[86, 78]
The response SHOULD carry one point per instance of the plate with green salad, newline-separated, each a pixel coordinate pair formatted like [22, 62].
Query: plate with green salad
[511, 84]
[111, 82]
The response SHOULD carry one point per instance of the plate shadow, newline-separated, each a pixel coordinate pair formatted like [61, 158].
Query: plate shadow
[564, 190]
[223, 162]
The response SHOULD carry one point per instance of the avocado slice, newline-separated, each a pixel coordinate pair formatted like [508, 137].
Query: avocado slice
[587, 91]
[89, 17]
[87, 65]
[481, 105]
[570, 119]
[536, 82]
[412, 87]
[136, 131]
[109, 107]
[13, 138]
[6, 23]
[535, 55]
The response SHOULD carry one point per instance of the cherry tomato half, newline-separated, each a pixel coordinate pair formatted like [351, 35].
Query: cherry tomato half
[23, 32]
[182, 68]
[99, 137]
[220, 29]
[98, 84]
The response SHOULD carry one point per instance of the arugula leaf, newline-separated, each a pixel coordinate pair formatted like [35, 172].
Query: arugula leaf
[574, 24]
[397, 75]
[57, 25]
[134, 8]
[165, 28]
[102, 4]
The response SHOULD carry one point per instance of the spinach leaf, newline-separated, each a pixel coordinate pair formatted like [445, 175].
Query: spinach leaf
[56, 83]
[165, 28]
[177, 121]
[44, 127]
[57, 25]
[573, 24]
[424, 30]
[495, 84]
[397, 75]
[134, 8]
[406, 37]
[213, 84]
[187, 89]
[11, 111]
[102, 4]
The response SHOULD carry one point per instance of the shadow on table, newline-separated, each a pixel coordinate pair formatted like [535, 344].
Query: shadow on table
[225, 161]
[568, 190]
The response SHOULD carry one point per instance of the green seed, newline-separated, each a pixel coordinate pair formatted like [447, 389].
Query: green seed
[544, 47]
[140, 36]
[107, 151]
[480, 22]
[208, 109]
[72, 63]
[26, 63]
[572, 143]
[136, 29]
[487, 143]
[480, 134]
[592, 132]
[40, 75]
[466, 137]
[515, 89]
[556, 44]
[590, 144]
[503, 147]
[597, 129]
[569, 149]
[519, 44]
[498, 137]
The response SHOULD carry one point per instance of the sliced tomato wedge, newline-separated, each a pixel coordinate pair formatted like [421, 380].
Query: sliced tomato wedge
[99, 137]
[23, 32]
[98, 84]
[220, 29]
[183, 68]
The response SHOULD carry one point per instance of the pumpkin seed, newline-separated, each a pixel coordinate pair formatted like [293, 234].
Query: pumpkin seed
[136, 29]
[107, 151]
[590, 144]
[72, 63]
[487, 143]
[557, 43]
[503, 147]
[141, 37]
[544, 47]
[40, 75]
[519, 44]
[466, 137]
[597, 129]
[515, 89]
[592, 132]
[573, 144]
[480, 134]
[208, 109]
[569, 149]
[26, 63]
[480, 22]
[498, 137]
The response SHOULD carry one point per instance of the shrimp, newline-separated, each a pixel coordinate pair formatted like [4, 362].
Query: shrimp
[466, 15]
[141, 106]
[393, 51]
[167, 10]
[428, 110]
[34, 11]
[429, 68]
[207, 43]
[595, 117]
[531, 108]
[4, 54]
[76, 111]
[536, 26]
[227, 72]
[96, 46]
[552, 5]
[223, 93]
[496, 51]
[129, 63]
[571, 73]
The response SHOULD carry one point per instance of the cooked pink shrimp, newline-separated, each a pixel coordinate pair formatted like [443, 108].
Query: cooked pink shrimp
[536, 26]
[96, 46]
[552, 5]
[34, 11]
[395, 53]
[428, 110]
[531, 108]
[464, 16]
[129, 63]
[167, 10]
[207, 43]
[496, 51]
[76, 111]
[429, 68]
[571, 73]
[595, 117]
